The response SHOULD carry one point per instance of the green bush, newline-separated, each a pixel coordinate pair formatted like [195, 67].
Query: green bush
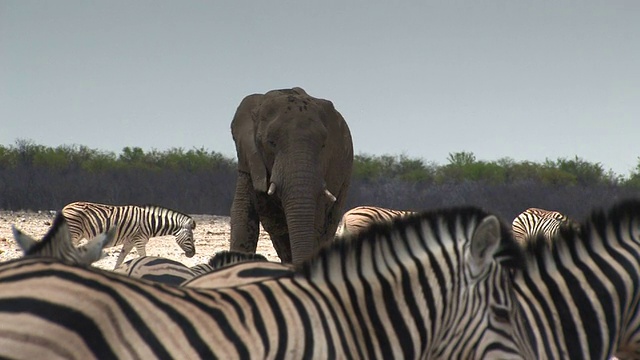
[203, 181]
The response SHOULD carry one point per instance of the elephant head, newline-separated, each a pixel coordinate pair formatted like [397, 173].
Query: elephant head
[295, 157]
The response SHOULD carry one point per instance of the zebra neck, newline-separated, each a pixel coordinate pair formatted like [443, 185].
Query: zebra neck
[396, 270]
[579, 292]
[162, 221]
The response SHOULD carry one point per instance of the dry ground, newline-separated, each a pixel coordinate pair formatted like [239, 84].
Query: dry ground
[211, 235]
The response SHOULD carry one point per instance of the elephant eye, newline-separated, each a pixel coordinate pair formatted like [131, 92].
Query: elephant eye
[271, 143]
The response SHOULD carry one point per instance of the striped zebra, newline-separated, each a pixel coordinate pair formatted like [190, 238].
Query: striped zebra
[359, 218]
[135, 225]
[57, 243]
[241, 273]
[227, 257]
[533, 221]
[579, 295]
[435, 285]
[168, 271]
[156, 269]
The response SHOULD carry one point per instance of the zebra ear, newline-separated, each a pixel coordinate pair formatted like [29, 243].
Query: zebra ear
[93, 248]
[485, 241]
[25, 241]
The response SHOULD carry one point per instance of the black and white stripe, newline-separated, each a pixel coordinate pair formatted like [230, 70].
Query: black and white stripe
[435, 285]
[534, 221]
[168, 271]
[359, 218]
[227, 257]
[579, 294]
[135, 225]
[241, 273]
[156, 269]
[57, 243]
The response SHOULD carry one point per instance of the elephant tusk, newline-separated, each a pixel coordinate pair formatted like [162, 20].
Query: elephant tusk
[272, 189]
[329, 195]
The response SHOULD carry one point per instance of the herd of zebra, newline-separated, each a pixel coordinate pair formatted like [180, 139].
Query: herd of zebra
[451, 283]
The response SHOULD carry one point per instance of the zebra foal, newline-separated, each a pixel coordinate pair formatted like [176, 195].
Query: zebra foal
[434, 285]
[359, 218]
[134, 225]
[578, 295]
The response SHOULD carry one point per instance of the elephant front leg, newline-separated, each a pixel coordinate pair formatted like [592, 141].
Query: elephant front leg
[245, 222]
[282, 245]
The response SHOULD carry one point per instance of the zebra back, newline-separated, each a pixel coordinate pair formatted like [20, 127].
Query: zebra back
[57, 244]
[171, 272]
[359, 218]
[579, 295]
[240, 273]
[534, 222]
[228, 257]
[86, 220]
[157, 269]
[355, 298]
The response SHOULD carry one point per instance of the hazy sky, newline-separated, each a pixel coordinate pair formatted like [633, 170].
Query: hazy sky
[528, 80]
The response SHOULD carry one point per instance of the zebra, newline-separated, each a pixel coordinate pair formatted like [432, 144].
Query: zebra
[168, 271]
[359, 218]
[157, 269]
[533, 221]
[57, 243]
[227, 257]
[135, 225]
[435, 285]
[240, 273]
[578, 296]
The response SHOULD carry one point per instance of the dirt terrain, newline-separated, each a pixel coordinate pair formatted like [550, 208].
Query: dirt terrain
[211, 235]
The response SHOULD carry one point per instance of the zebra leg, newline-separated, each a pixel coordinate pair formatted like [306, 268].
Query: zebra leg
[141, 247]
[126, 248]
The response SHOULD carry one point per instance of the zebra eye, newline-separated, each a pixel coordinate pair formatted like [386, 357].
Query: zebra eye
[500, 313]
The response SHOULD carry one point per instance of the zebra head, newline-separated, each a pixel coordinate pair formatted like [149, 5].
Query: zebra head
[485, 288]
[184, 237]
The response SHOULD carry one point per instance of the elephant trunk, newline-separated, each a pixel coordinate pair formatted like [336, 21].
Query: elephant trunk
[299, 192]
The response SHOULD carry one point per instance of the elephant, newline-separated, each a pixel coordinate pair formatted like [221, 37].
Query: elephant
[295, 157]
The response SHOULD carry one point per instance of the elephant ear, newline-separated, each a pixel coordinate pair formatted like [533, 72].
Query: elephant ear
[243, 130]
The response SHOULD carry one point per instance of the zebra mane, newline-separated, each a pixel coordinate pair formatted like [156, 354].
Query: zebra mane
[592, 229]
[382, 234]
[228, 257]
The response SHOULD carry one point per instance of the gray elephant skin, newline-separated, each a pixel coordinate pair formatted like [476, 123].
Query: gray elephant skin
[295, 157]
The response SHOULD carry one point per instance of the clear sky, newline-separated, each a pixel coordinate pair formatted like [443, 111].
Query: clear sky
[529, 80]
